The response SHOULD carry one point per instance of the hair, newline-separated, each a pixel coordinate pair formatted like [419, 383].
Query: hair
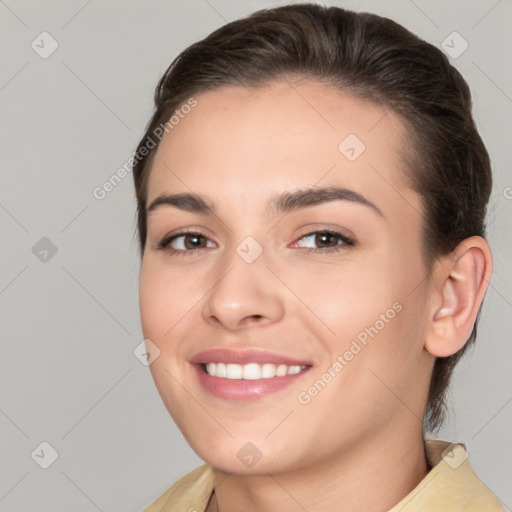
[372, 58]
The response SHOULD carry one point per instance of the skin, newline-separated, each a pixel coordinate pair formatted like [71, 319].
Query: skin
[358, 444]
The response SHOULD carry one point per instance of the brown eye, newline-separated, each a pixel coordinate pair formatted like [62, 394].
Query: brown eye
[193, 241]
[325, 241]
[184, 242]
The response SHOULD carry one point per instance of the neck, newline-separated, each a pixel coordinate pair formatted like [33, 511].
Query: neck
[373, 476]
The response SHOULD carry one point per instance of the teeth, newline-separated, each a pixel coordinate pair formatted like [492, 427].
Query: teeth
[251, 371]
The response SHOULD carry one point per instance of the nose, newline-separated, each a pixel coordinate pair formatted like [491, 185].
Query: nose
[242, 295]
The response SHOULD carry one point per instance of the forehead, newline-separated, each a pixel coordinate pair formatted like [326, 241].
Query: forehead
[245, 144]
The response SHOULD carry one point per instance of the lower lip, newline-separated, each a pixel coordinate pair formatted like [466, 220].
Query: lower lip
[244, 390]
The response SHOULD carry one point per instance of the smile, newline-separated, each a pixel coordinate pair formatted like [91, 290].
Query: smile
[251, 371]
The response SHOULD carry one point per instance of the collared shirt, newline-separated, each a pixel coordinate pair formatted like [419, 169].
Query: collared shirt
[450, 486]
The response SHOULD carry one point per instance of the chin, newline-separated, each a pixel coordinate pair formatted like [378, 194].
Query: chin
[244, 457]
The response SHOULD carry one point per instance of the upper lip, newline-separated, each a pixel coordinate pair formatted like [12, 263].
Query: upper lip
[245, 356]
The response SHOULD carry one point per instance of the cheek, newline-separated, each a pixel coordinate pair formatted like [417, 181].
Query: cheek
[163, 304]
[152, 299]
[378, 326]
[361, 311]
[165, 297]
[346, 298]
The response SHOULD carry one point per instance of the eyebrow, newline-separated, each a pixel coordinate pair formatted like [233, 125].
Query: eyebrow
[282, 203]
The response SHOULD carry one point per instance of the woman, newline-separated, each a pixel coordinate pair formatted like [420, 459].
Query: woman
[312, 193]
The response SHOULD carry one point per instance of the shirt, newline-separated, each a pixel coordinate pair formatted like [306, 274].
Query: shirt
[450, 486]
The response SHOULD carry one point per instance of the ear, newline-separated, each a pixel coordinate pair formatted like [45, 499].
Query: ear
[460, 281]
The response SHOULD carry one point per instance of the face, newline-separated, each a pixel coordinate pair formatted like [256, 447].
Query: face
[300, 272]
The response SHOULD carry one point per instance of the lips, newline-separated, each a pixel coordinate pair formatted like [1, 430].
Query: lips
[245, 389]
[247, 356]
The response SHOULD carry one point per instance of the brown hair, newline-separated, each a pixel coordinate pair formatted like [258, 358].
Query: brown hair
[373, 58]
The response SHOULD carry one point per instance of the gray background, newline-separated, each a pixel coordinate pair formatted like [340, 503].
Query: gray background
[70, 323]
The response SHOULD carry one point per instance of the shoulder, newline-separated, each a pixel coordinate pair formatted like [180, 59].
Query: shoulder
[190, 492]
[451, 484]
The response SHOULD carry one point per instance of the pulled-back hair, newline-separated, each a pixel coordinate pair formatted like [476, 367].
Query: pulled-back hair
[373, 58]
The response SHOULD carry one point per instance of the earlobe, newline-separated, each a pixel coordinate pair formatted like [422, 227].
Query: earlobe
[460, 284]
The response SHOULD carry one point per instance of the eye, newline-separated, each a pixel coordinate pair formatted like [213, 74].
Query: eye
[328, 240]
[189, 242]
[185, 242]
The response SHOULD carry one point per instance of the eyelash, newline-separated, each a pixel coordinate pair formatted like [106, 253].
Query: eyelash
[347, 242]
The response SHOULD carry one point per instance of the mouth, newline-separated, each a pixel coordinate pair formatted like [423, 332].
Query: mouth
[247, 375]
